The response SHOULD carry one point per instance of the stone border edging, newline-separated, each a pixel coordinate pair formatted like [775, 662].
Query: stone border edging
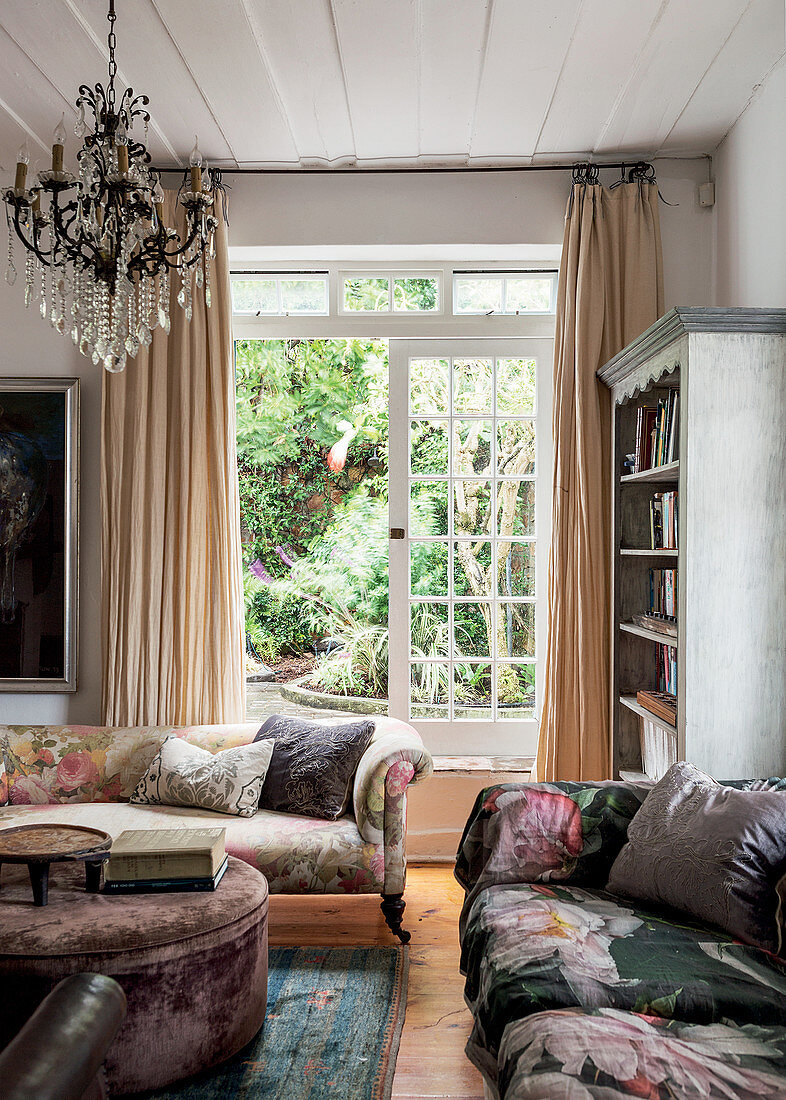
[295, 692]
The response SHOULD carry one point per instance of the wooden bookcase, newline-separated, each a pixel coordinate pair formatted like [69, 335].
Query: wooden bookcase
[729, 366]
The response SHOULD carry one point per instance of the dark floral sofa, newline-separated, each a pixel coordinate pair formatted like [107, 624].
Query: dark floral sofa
[580, 995]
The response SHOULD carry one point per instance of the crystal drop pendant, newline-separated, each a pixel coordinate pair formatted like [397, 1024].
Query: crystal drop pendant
[208, 297]
[96, 358]
[10, 276]
[114, 362]
[167, 324]
[200, 278]
[81, 127]
[182, 297]
[162, 317]
[75, 334]
[84, 346]
[131, 345]
[189, 312]
[100, 349]
[145, 336]
[60, 325]
[42, 307]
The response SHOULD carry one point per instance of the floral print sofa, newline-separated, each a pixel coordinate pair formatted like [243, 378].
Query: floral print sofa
[86, 774]
[577, 994]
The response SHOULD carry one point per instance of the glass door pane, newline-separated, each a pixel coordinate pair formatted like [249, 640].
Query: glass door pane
[466, 578]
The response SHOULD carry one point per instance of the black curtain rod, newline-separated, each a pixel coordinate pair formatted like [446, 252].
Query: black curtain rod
[419, 171]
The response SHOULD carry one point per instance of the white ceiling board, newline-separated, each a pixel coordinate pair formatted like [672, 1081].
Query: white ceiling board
[218, 45]
[295, 83]
[452, 48]
[379, 46]
[755, 46]
[595, 71]
[527, 46]
[302, 56]
[683, 45]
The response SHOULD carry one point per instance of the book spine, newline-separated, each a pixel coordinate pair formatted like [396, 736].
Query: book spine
[160, 866]
[148, 886]
[637, 467]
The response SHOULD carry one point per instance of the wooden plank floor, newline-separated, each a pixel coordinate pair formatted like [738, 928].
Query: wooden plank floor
[431, 1059]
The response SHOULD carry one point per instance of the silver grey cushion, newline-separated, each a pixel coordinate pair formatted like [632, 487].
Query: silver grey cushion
[228, 782]
[713, 852]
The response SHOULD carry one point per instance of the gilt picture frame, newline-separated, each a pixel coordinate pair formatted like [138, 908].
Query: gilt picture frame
[39, 534]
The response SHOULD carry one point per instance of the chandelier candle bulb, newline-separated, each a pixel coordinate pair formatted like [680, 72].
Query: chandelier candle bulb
[58, 143]
[122, 159]
[195, 160]
[22, 161]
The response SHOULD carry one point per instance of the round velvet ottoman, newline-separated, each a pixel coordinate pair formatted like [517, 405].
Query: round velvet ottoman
[193, 966]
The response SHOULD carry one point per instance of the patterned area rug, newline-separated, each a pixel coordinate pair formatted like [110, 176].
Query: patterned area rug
[332, 1030]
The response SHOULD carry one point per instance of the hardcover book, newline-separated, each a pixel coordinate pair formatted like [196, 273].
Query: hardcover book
[144, 854]
[165, 885]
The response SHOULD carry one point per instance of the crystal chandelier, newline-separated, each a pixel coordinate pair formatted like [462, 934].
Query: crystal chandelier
[98, 254]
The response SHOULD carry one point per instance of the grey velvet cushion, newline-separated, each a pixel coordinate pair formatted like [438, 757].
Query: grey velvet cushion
[713, 852]
[228, 782]
[313, 765]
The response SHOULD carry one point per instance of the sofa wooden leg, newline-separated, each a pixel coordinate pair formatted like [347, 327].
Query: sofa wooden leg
[393, 906]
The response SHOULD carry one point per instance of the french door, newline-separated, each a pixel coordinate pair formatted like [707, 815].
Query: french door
[470, 438]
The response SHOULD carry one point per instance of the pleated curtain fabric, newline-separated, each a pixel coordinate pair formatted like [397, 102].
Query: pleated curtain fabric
[610, 290]
[172, 614]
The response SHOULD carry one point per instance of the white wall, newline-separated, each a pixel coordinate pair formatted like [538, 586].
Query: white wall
[321, 211]
[750, 213]
[30, 348]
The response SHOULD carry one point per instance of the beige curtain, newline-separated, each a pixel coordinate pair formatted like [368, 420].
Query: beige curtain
[610, 290]
[172, 615]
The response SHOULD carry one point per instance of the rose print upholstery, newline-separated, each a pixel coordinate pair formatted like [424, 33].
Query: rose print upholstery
[579, 994]
[86, 775]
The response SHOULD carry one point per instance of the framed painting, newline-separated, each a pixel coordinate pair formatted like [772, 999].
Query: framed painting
[39, 533]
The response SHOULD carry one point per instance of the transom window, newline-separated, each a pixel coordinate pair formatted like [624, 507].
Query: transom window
[397, 293]
[510, 292]
[271, 294]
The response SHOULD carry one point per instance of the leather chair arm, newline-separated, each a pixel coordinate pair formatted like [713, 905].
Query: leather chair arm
[59, 1052]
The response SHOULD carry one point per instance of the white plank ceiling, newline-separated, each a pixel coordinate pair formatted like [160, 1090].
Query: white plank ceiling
[304, 83]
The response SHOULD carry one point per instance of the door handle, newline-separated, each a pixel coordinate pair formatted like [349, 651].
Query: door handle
[398, 533]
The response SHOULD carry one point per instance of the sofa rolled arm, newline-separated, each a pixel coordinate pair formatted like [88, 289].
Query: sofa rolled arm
[59, 1052]
[395, 758]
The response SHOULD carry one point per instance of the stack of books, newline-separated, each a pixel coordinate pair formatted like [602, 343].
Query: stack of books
[664, 521]
[666, 668]
[663, 593]
[145, 861]
[657, 433]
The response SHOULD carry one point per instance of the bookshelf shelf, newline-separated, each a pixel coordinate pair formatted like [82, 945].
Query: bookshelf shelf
[719, 375]
[662, 552]
[650, 635]
[669, 472]
[629, 701]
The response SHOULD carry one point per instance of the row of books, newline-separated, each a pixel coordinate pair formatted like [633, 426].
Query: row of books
[664, 521]
[666, 668]
[145, 861]
[663, 593]
[657, 433]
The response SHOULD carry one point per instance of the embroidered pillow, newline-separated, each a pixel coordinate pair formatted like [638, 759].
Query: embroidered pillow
[313, 765]
[227, 782]
[716, 853]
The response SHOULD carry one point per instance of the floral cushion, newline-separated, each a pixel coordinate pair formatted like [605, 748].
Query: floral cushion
[297, 855]
[529, 948]
[541, 832]
[602, 1054]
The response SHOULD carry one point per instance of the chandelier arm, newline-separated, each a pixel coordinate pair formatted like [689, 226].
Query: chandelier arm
[31, 242]
[72, 246]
